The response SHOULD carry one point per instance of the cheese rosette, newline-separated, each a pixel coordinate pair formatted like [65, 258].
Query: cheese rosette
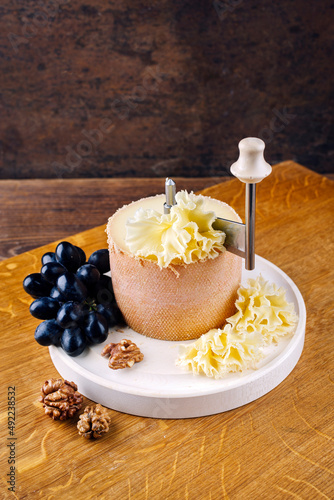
[221, 351]
[262, 307]
[183, 236]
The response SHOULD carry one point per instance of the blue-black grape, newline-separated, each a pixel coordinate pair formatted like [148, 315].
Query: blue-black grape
[82, 256]
[68, 255]
[100, 259]
[88, 274]
[111, 314]
[71, 287]
[73, 341]
[44, 308]
[96, 328]
[36, 286]
[48, 333]
[103, 291]
[52, 270]
[55, 294]
[48, 257]
[71, 314]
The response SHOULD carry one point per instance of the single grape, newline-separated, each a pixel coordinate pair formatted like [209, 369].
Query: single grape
[82, 256]
[36, 286]
[55, 294]
[70, 314]
[71, 287]
[88, 274]
[44, 308]
[100, 259]
[68, 255]
[52, 270]
[118, 314]
[103, 291]
[48, 333]
[111, 314]
[96, 328]
[73, 341]
[48, 257]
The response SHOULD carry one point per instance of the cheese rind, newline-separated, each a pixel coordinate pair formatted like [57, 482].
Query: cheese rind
[177, 302]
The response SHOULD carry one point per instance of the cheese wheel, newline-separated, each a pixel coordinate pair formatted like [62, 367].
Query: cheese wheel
[180, 302]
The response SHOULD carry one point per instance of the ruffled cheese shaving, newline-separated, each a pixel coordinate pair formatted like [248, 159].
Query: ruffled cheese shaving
[262, 307]
[183, 236]
[219, 352]
[263, 316]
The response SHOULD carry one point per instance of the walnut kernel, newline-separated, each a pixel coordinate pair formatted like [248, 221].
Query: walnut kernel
[60, 398]
[94, 422]
[122, 355]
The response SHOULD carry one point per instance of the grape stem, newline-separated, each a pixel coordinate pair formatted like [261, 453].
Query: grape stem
[91, 304]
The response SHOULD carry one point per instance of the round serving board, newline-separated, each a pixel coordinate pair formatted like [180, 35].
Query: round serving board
[157, 388]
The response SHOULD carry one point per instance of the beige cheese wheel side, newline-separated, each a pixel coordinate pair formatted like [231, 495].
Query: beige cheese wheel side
[172, 304]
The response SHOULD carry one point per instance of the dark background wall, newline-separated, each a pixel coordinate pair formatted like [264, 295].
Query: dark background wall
[98, 88]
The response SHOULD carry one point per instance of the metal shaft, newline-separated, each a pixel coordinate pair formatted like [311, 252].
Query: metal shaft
[250, 226]
[170, 191]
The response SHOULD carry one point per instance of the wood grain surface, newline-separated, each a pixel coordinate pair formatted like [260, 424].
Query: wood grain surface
[35, 212]
[278, 447]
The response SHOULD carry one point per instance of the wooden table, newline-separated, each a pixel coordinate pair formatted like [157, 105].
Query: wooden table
[278, 447]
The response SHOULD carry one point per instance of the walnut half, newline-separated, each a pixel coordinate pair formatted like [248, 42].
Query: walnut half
[60, 398]
[122, 355]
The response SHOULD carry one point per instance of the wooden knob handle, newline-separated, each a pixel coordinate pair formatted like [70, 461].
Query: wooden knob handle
[251, 166]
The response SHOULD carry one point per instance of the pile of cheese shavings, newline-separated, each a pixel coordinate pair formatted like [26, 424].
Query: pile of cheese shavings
[183, 236]
[263, 316]
[262, 307]
[219, 352]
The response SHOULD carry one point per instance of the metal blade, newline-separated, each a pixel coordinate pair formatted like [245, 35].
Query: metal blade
[235, 235]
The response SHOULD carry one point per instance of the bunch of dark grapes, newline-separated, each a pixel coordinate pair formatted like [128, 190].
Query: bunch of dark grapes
[74, 298]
